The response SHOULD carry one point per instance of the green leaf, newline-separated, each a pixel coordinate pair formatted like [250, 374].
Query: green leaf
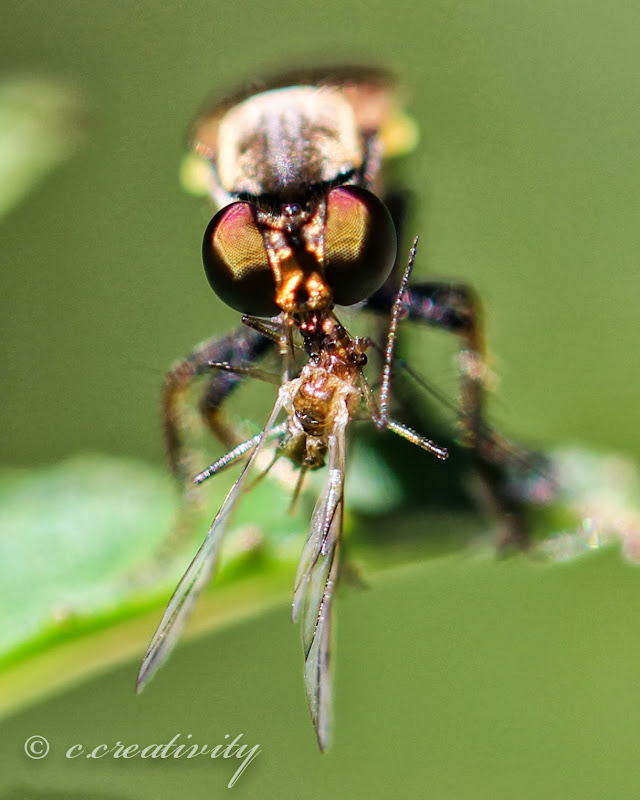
[83, 587]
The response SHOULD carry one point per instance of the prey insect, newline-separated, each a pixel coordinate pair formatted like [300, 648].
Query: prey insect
[295, 168]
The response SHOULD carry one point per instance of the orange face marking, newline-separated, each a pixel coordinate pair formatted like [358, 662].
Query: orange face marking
[319, 293]
[288, 290]
[302, 292]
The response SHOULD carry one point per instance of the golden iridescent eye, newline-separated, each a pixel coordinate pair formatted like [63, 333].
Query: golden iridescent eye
[236, 262]
[359, 244]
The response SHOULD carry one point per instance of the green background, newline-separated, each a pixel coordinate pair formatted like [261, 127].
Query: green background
[460, 678]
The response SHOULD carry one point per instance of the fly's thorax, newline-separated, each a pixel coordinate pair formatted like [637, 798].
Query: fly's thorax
[283, 140]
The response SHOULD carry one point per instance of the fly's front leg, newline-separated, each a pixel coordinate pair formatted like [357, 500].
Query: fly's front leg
[242, 347]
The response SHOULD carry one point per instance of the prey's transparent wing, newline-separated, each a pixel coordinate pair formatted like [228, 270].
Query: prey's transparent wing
[198, 572]
[315, 582]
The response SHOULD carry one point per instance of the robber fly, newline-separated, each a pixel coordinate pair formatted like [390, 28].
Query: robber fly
[295, 168]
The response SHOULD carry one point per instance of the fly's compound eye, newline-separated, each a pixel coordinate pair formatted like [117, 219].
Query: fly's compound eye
[359, 244]
[236, 262]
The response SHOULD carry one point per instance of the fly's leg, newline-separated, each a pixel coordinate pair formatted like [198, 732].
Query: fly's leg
[503, 471]
[456, 308]
[508, 478]
[243, 347]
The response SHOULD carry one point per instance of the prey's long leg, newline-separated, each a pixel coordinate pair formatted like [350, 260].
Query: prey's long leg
[243, 347]
[380, 410]
[454, 308]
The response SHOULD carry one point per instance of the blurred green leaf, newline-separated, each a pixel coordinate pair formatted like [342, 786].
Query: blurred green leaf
[40, 127]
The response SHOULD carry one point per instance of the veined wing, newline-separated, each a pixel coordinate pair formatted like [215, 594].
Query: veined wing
[198, 572]
[315, 583]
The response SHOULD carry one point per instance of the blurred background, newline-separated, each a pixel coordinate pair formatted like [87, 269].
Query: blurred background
[457, 679]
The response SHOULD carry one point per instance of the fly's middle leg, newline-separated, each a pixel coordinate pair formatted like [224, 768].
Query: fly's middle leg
[505, 474]
[243, 347]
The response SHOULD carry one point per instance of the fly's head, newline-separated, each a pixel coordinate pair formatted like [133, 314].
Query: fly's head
[300, 258]
[302, 230]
